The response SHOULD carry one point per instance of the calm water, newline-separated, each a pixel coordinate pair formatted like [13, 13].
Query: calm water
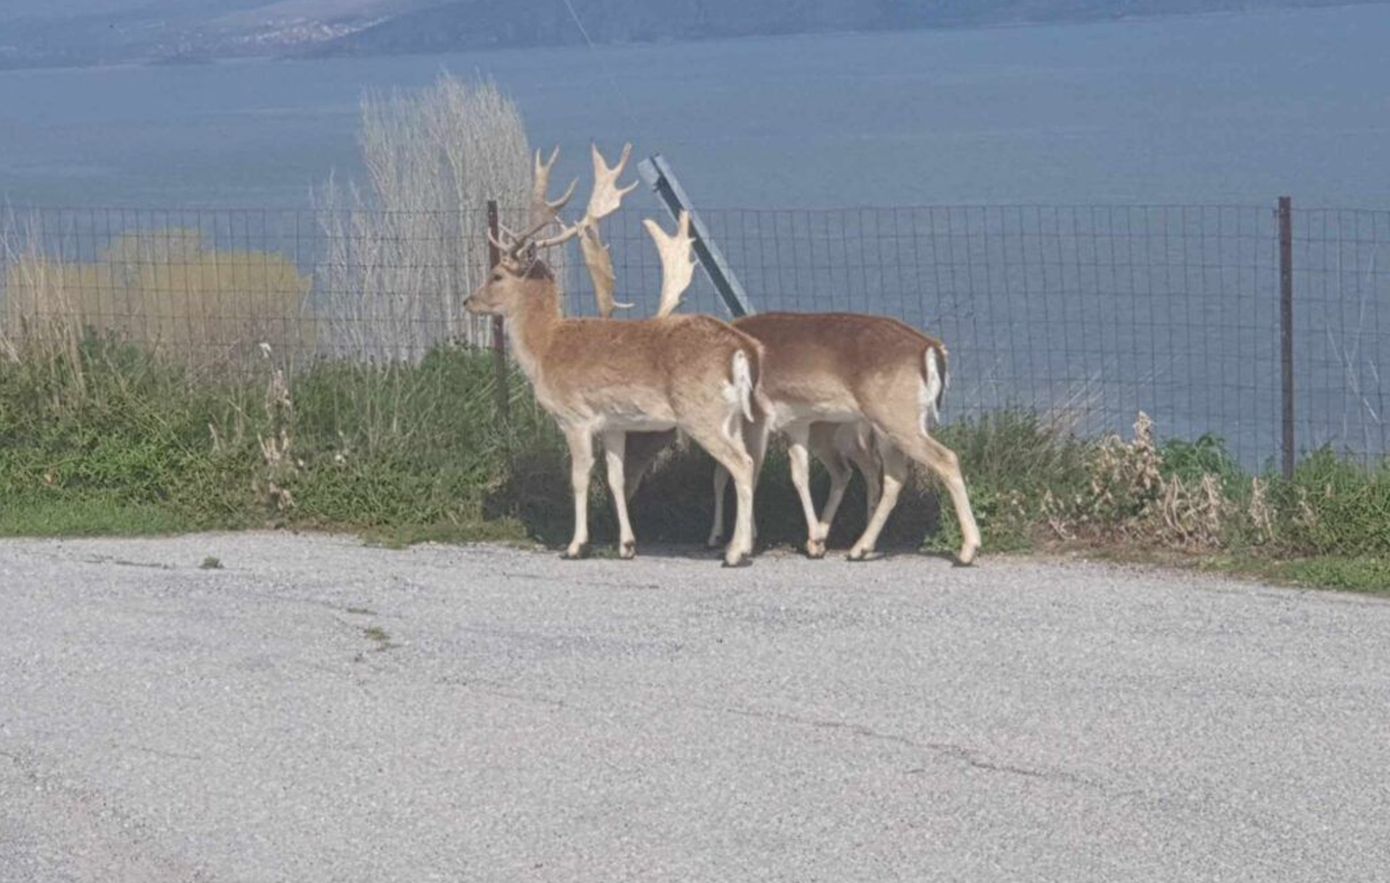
[1213, 109]
[1099, 308]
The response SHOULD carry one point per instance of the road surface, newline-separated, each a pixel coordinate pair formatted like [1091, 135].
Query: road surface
[317, 710]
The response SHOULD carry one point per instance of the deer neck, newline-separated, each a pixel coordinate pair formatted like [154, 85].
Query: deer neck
[532, 327]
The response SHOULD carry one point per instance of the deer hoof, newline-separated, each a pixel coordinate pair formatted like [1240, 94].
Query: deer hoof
[966, 556]
[737, 559]
[862, 555]
[627, 550]
[815, 548]
[714, 541]
[576, 551]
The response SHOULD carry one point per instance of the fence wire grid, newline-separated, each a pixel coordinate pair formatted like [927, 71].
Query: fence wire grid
[1085, 314]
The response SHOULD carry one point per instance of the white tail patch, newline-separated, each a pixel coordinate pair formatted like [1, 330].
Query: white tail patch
[933, 387]
[743, 383]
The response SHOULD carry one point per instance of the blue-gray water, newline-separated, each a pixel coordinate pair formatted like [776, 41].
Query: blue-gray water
[1052, 282]
[1207, 109]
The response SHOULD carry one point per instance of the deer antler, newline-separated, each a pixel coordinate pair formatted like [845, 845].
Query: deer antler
[677, 266]
[543, 210]
[600, 264]
[606, 198]
[607, 195]
[604, 201]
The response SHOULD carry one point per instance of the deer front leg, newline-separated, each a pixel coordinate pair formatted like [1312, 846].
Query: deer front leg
[824, 445]
[581, 445]
[798, 435]
[614, 443]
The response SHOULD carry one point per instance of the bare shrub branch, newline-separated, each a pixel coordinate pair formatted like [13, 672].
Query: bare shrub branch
[404, 252]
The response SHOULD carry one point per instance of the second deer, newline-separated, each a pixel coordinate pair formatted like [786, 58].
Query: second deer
[840, 386]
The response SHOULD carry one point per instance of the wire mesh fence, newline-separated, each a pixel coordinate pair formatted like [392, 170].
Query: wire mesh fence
[1085, 314]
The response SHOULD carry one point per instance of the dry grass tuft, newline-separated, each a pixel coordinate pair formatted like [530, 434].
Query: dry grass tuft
[168, 290]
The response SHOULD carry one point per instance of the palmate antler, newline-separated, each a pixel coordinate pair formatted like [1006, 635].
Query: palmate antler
[543, 211]
[606, 198]
[677, 266]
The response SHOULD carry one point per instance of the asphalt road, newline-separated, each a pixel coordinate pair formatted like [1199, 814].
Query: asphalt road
[321, 710]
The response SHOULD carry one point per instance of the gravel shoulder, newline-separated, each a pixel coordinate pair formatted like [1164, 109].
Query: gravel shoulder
[318, 709]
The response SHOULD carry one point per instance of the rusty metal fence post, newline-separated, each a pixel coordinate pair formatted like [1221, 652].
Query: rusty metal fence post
[1286, 328]
[499, 337]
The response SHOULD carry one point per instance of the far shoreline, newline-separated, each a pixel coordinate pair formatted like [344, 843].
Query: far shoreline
[309, 54]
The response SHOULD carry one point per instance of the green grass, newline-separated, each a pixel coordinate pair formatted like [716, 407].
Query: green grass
[1336, 507]
[115, 441]
[92, 515]
[105, 439]
[1341, 572]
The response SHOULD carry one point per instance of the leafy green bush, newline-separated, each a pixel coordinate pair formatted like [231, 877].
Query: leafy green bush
[1335, 506]
[1191, 461]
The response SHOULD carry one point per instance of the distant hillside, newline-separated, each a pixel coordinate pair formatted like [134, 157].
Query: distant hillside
[77, 32]
[476, 24]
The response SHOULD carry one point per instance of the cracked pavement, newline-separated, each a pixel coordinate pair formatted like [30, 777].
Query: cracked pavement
[318, 709]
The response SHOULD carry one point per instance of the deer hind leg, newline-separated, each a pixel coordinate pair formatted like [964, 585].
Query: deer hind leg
[613, 444]
[721, 487]
[755, 438]
[944, 463]
[894, 475]
[725, 444]
[905, 431]
[581, 445]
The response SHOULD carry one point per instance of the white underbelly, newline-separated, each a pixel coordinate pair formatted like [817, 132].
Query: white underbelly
[635, 423]
[784, 414]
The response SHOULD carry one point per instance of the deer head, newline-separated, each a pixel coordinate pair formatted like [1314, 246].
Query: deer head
[509, 286]
[520, 251]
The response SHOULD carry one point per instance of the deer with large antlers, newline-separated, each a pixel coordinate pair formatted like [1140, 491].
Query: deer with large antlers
[839, 386]
[603, 378]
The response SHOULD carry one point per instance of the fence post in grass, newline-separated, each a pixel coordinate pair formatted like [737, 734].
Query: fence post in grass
[658, 175]
[1286, 328]
[499, 337]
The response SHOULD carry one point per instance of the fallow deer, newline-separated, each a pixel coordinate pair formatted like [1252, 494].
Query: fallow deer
[863, 374]
[836, 445]
[597, 377]
[841, 385]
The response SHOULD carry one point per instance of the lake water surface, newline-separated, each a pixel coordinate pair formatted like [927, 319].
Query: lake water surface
[1056, 282]
[1207, 109]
